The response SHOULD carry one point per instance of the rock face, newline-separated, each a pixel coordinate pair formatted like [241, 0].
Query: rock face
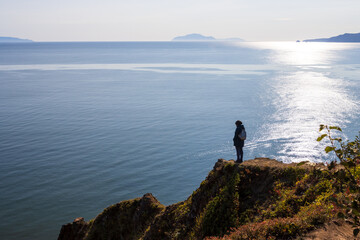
[124, 220]
[74, 231]
[260, 197]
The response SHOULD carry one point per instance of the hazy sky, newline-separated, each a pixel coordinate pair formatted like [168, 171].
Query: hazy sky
[153, 20]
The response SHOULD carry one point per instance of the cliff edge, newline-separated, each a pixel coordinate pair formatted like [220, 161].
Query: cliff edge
[258, 199]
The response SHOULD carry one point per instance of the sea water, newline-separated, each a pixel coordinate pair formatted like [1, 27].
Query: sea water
[86, 125]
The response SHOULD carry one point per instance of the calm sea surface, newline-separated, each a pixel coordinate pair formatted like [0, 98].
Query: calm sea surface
[86, 125]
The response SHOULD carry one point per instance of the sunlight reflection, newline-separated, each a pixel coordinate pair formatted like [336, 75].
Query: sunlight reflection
[303, 99]
[303, 53]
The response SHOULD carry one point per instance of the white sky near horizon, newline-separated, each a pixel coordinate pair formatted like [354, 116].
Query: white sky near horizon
[162, 20]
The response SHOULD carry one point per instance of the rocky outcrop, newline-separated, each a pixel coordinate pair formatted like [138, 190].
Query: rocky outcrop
[258, 197]
[124, 220]
[74, 231]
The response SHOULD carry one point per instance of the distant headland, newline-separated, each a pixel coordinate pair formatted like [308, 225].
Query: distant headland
[347, 37]
[199, 37]
[12, 39]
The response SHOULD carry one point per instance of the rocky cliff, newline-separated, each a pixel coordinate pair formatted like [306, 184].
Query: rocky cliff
[258, 199]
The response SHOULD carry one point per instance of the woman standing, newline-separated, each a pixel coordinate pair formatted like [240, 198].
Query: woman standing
[239, 143]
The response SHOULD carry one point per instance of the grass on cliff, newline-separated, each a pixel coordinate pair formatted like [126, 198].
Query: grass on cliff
[257, 202]
[303, 200]
[295, 207]
[297, 202]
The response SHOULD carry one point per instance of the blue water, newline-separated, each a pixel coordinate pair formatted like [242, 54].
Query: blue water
[86, 125]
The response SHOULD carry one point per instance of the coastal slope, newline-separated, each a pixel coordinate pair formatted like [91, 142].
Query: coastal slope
[258, 199]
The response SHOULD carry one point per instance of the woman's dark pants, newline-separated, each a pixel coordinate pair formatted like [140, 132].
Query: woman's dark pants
[239, 154]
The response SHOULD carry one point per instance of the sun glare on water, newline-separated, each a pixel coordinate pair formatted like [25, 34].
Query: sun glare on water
[302, 53]
[304, 94]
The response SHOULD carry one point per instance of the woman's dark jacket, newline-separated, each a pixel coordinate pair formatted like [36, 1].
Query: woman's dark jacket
[237, 141]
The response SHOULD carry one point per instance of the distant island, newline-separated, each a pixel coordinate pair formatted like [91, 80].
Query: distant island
[199, 37]
[194, 37]
[12, 39]
[347, 37]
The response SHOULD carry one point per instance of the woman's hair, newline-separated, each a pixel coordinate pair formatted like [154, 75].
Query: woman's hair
[238, 122]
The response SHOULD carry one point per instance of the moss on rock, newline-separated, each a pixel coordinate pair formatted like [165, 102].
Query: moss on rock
[125, 220]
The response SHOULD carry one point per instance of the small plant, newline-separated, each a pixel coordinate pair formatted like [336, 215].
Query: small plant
[348, 154]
